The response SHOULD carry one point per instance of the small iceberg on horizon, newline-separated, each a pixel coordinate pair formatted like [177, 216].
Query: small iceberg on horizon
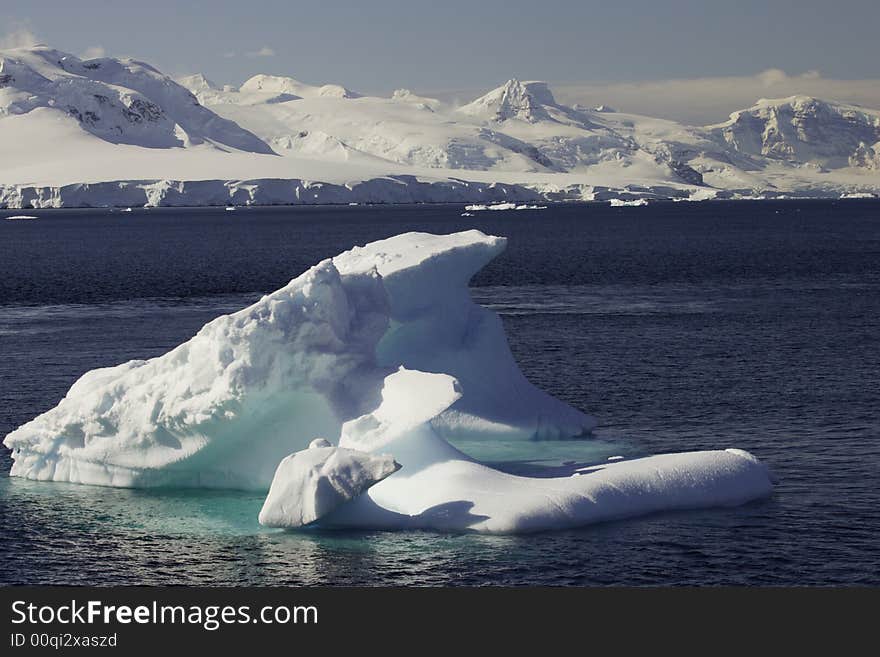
[502, 206]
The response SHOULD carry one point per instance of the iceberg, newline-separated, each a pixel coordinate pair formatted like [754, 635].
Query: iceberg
[222, 409]
[617, 202]
[313, 482]
[502, 206]
[383, 347]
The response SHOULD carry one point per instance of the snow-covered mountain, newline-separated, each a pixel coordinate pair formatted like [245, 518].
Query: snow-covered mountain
[518, 127]
[521, 127]
[119, 101]
[65, 121]
[801, 129]
[284, 86]
[525, 101]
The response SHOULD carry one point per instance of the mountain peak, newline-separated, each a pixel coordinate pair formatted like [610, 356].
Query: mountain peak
[198, 82]
[804, 129]
[526, 101]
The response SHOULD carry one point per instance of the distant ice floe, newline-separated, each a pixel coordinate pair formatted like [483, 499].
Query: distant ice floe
[617, 202]
[20, 217]
[382, 347]
[503, 206]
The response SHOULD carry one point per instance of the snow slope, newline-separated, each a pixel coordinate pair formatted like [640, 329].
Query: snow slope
[222, 409]
[119, 101]
[73, 132]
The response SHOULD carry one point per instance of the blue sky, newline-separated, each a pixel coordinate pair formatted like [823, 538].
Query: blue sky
[728, 54]
[384, 44]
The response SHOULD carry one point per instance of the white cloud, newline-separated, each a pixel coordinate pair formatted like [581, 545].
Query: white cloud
[772, 76]
[265, 51]
[229, 55]
[702, 101]
[93, 52]
[19, 37]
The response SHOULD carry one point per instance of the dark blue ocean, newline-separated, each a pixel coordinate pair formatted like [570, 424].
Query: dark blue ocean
[679, 325]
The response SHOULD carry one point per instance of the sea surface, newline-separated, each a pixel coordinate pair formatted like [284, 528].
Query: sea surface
[679, 325]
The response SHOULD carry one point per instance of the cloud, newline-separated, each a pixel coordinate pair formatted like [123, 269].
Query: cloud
[265, 51]
[772, 76]
[19, 37]
[229, 55]
[702, 101]
[93, 52]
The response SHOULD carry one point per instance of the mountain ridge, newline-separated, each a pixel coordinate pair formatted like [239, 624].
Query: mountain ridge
[65, 121]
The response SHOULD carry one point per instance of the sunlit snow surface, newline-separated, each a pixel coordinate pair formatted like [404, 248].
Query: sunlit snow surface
[440, 487]
[320, 357]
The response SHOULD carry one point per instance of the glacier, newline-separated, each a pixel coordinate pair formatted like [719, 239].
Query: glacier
[382, 348]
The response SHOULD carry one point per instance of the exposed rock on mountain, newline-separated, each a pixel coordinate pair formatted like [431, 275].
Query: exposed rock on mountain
[804, 129]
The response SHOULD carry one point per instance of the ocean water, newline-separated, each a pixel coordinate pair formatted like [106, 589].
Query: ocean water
[679, 325]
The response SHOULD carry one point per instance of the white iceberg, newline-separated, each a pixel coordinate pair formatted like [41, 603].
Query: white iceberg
[502, 206]
[383, 347]
[618, 202]
[222, 409]
[313, 482]
[439, 487]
